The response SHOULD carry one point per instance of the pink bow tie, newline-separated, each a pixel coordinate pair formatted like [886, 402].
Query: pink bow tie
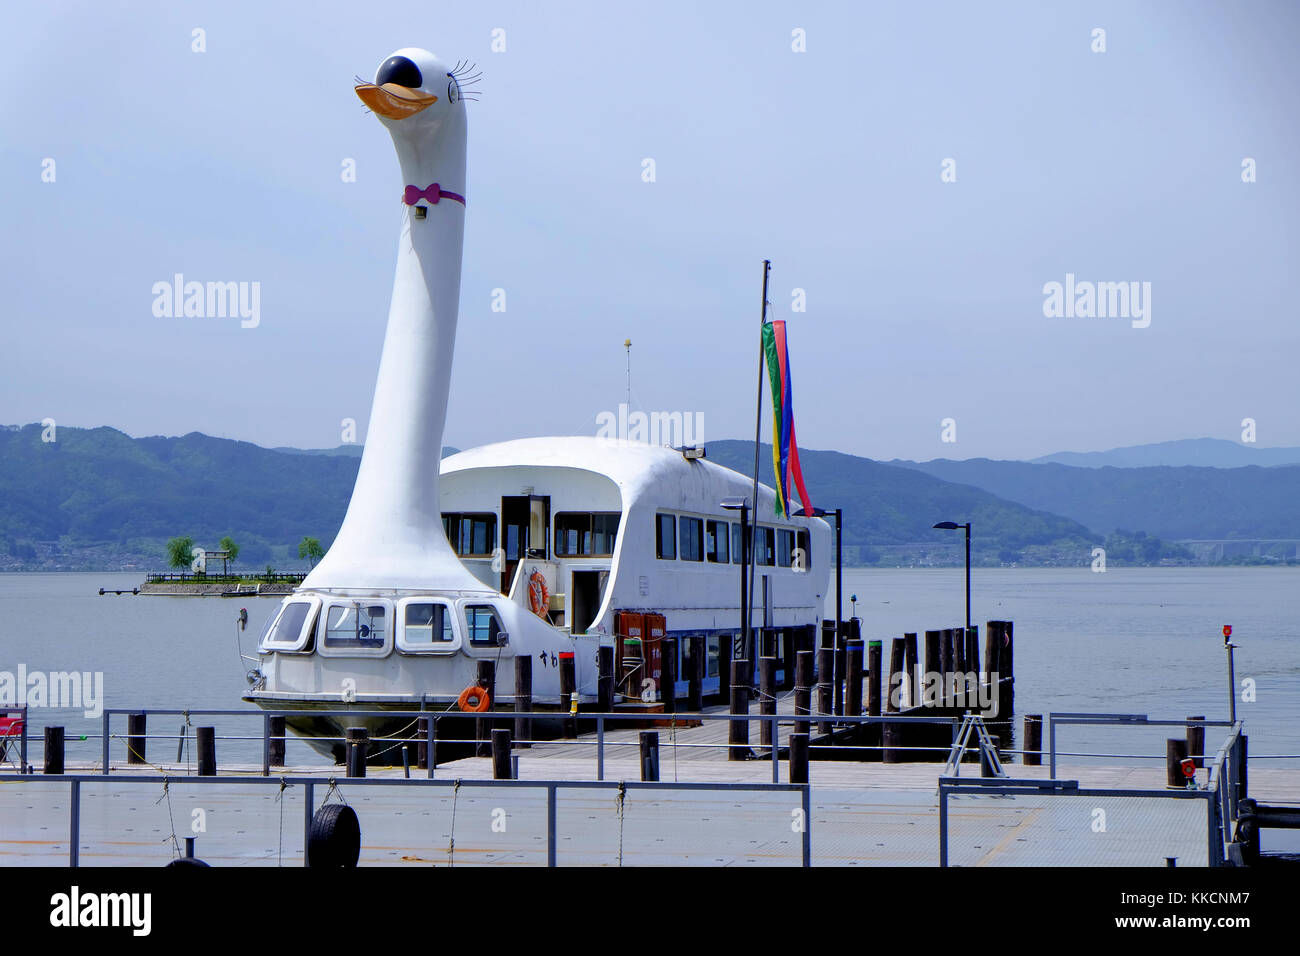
[435, 192]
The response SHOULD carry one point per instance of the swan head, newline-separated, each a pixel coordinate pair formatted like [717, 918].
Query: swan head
[414, 93]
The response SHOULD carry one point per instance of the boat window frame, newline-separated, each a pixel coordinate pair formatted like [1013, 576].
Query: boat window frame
[803, 545]
[334, 650]
[721, 534]
[683, 521]
[665, 519]
[482, 647]
[591, 517]
[434, 647]
[299, 645]
[785, 545]
[489, 517]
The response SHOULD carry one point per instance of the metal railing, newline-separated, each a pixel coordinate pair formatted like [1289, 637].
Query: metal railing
[309, 783]
[1125, 720]
[604, 724]
[1224, 788]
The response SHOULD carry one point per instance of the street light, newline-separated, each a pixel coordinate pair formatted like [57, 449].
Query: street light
[953, 526]
[742, 505]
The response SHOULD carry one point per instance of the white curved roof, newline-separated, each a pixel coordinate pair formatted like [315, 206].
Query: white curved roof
[632, 465]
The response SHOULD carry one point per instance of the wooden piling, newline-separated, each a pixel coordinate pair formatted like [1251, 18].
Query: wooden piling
[738, 730]
[501, 754]
[698, 665]
[135, 738]
[799, 759]
[841, 663]
[825, 686]
[277, 742]
[959, 649]
[913, 670]
[1033, 746]
[945, 663]
[605, 680]
[205, 741]
[933, 662]
[422, 745]
[358, 748]
[1196, 741]
[973, 651]
[1006, 672]
[54, 750]
[523, 701]
[766, 697]
[803, 683]
[897, 676]
[853, 677]
[1175, 752]
[568, 687]
[891, 736]
[487, 679]
[668, 674]
[650, 755]
[991, 638]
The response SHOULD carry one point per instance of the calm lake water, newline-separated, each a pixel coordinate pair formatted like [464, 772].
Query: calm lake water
[1142, 640]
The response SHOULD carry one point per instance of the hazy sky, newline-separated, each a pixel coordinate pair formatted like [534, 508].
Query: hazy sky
[924, 298]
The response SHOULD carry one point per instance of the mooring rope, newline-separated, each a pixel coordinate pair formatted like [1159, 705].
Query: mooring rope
[620, 801]
[171, 820]
[451, 844]
[279, 855]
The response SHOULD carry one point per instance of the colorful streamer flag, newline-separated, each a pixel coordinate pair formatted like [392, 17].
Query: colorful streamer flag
[785, 450]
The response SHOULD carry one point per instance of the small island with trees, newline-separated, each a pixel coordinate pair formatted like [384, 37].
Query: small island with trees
[196, 573]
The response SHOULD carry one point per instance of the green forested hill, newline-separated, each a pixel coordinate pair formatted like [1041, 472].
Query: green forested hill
[99, 499]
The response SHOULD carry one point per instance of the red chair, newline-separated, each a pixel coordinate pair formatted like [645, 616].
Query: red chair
[12, 724]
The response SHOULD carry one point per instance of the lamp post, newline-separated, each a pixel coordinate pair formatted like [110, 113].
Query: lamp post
[839, 578]
[953, 526]
[742, 505]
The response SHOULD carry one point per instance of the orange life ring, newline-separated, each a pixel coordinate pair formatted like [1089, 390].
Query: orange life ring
[482, 696]
[539, 597]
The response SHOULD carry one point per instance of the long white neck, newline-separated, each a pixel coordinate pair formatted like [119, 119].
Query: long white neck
[392, 535]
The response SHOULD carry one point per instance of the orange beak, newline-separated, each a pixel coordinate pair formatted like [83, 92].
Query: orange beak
[394, 101]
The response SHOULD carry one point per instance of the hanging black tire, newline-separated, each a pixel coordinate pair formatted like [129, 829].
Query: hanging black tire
[188, 861]
[335, 837]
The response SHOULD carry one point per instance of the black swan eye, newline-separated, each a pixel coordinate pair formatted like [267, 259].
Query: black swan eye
[399, 70]
[452, 88]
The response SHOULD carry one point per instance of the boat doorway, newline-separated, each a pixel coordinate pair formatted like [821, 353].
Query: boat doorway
[587, 590]
[524, 522]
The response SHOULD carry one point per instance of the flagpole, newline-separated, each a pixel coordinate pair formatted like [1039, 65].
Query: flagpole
[758, 421]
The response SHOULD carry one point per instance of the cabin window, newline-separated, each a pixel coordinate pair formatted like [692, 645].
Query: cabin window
[285, 632]
[355, 625]
[784, 548]
[804, 551]
[427, 624]
[666, 537]
[737, 545]
[585, 534]
[765, 546]
[484, 625]
[692, 539]
[717, 538]
[604, 532]
[471, 535]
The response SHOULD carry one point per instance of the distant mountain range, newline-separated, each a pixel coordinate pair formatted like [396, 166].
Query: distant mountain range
[1173, 503]
[1202, 452]
[99, 499]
